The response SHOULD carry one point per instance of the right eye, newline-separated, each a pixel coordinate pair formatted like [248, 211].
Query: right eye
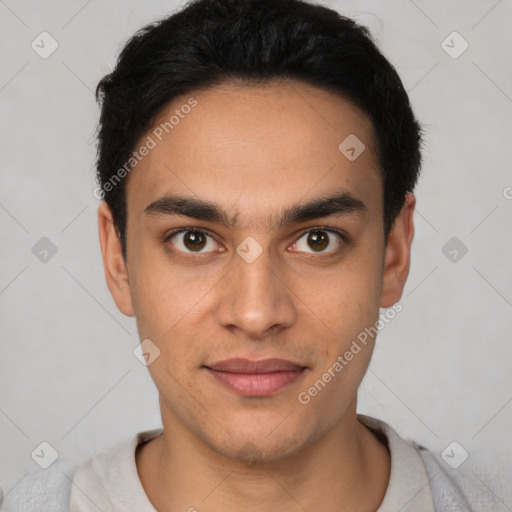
[191, 241]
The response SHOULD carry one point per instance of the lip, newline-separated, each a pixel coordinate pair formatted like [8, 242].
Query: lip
[256, 378]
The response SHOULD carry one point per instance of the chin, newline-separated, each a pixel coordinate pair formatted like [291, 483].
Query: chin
[264, 445]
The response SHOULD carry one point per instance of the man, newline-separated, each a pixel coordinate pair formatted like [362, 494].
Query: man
[257, 161]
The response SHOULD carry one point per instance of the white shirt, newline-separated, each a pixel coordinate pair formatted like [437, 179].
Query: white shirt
[110, 482]
[420, 481]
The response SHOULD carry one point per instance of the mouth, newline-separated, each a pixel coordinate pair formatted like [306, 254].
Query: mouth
[256, 378]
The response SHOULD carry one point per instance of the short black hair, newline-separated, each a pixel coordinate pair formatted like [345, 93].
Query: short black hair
[210, 42]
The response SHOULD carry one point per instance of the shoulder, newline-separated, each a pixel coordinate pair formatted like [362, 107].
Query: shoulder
[457, 484]
[459, 489]
[60, 488]
[44, 489]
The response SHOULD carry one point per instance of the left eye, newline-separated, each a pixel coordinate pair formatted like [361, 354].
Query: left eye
[318, 240]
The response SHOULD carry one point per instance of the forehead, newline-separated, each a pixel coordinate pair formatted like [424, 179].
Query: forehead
[254, 149]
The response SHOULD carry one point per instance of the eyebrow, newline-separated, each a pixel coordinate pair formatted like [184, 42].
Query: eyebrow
[343, 203]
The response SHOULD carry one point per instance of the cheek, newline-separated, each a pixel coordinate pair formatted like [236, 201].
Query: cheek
[169, 306]
[346, 313]
[348, 301]
[163, 296]
[344, 351]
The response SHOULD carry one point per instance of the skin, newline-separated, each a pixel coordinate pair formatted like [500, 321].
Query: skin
[256, 151]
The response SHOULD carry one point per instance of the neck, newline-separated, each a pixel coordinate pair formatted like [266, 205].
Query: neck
[347, 469]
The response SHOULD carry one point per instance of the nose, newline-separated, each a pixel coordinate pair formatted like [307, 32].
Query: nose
[255, 297]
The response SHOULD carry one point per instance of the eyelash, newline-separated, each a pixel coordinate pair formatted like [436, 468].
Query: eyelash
[341, 234]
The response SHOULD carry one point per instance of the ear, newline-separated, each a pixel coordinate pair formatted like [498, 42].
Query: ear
[397, 256]
[116, 272]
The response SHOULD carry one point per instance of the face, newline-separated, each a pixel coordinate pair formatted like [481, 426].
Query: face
[251, 235]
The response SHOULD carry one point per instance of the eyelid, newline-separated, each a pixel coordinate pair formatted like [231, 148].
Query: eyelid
[170, 234]
[188, 229]
[344, 238]
[338, 231]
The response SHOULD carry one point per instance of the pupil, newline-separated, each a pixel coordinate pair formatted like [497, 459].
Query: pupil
[318, 238]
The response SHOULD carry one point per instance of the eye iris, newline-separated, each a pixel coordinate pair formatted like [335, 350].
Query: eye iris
[194, 240]
[319, 239]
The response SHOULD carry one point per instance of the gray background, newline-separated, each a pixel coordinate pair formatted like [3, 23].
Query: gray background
[441, 369]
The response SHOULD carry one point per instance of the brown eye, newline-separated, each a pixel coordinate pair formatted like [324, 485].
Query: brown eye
[318, 240]
[192, 241]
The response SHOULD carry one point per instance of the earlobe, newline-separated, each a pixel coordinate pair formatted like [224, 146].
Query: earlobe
[398, 254]
[116, 273]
